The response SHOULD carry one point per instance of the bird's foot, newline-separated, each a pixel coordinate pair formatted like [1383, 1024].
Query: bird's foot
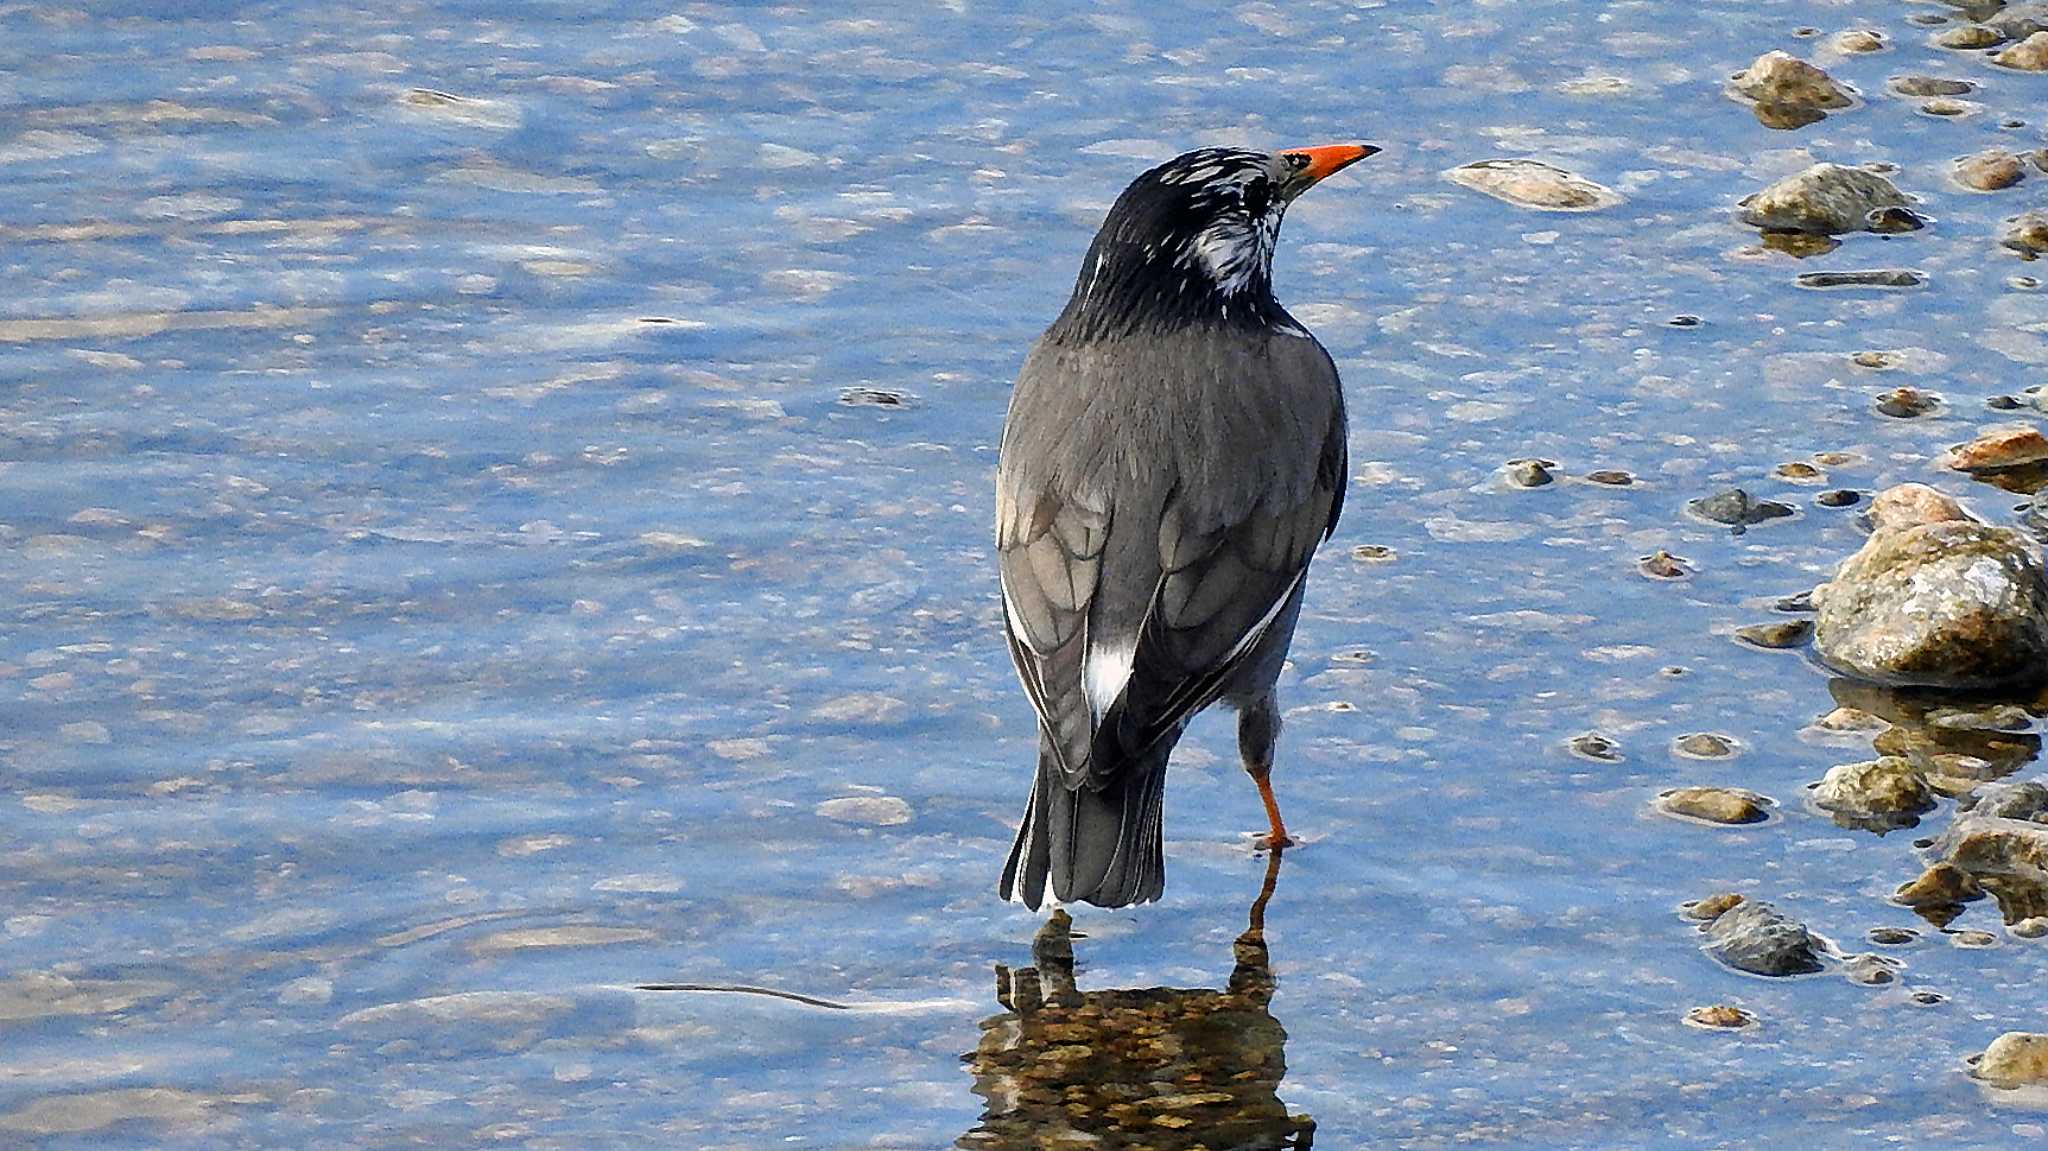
[1270, 842]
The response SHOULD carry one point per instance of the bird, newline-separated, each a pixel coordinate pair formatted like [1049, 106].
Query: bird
[1173, 453]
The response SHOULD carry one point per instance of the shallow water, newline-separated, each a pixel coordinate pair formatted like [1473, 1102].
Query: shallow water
[444, 589]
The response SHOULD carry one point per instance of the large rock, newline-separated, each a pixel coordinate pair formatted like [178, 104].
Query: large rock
[2029, 55]
[1951, 603]
[1826, 198]
[2018, 21]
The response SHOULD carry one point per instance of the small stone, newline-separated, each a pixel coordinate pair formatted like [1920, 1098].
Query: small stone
[1930, 86]
[1859, 40]
[875, 398]
[1661, 564]
[1968, 36]
[2004, 403]
[1704, 745]
[1373, 554]
[1534, 184]
[1594, 746]
[1928, 998]
[1776, 636]
[1758, 938]
[1838, 498]
[1989, 170]
[1875, 794]
[1942, 884]
[1974, 940]
[1611, 477]
[2014, 1059]
[1712, 906]
[1723, 805]
[1907, 403]
[1799, 472]
[1946, 107]
[1825, 198]
[1796, 603]
[1782, 79]
[1736, 508]
[1719, 1017]
[2027, 234]
[1683, 320]
[1893, 936]
[1851, 719]
[2032, 927]
[1867, 278]
[1908, 505]
[2029, 55]
[1530, 473]
[2001, 448]
[1871, 970]
[1892, 221]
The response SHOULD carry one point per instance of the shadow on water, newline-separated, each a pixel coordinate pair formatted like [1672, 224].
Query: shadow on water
[1146, 1067]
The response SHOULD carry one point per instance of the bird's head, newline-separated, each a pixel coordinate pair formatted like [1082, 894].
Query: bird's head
[1191, 241]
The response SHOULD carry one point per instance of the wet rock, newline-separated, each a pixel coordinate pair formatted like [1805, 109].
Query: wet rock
[1530, 473]
[1534, 184]
[1850, 719]
[2014, 1059]
[1776, 78]
[1719, 1017]
[2018, 21]
[1871, 970]
[1776, 636]
[2027, 234]
[1799, 245]
[1373, 553]
[1989, 170]
[1907, 403]
[1877, 795]
[1999, 449]
[1947, 604]
[1866, 278]
[1945, 107]
[1905, 505]
[1856, 41]
[1798, 602]
[1893, 936]
[1723, 805]
[1930, 86]
[1594, 746]
[1968, 36]
[1703, 745]
[1838, 498]
[1683, 320]
[1736, 508]
[1891, 222]
[2029, 55]
[2006, 857]
[1712, 906]
[1974, 940]
[2027, 799]
[1799, 472]
[1611, 477]
[2032, 928]
[1826, 198]
[1925, 998]
[1943, 884]
[1661, 564]
[1758, 938]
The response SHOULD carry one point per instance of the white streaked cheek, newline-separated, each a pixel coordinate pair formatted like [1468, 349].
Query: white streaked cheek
[1108, 669]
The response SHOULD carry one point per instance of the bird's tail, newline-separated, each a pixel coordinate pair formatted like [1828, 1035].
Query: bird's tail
[1102, 847]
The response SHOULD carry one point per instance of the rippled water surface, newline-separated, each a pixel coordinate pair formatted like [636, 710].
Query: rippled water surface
[494, 512]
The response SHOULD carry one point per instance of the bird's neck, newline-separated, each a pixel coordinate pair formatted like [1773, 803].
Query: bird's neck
[1127, 289]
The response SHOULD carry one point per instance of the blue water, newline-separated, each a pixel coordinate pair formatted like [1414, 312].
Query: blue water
[442, 588]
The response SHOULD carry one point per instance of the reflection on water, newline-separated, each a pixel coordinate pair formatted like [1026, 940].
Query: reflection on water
[1142, 1067]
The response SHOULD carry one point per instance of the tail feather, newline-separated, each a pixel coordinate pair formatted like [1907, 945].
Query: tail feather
[1103, 847]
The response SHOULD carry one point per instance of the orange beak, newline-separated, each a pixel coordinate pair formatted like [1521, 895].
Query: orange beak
[1329, 159]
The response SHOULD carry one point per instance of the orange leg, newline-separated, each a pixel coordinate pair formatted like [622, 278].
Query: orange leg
[1276, 837]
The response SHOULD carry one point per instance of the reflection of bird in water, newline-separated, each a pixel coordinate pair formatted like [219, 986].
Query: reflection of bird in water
[1165, 1068]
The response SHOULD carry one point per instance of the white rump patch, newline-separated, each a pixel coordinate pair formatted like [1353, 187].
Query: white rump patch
[1107, 669]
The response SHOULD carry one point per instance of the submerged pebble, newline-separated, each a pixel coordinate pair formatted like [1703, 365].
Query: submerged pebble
[1612, 477]
[1907, 403]
[1892, 936]
[1723, 805]
[1799, 472]
[1930, 86]
[1867, 278]
[1703, 745]
[1779, 635]
[1989, 171]
[1838, 498]
[1534, 184]
[1594, 746]
[1720, 1017]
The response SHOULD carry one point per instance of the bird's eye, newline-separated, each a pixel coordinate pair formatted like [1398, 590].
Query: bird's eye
[1297, 161]
[1258, 196]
